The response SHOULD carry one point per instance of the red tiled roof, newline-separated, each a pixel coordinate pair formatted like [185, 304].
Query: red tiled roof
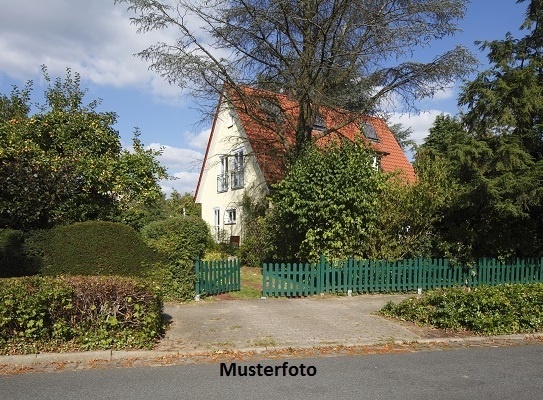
[270, 150]
[270, 147]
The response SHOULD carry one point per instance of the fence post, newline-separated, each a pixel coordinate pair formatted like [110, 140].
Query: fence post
[197, 284]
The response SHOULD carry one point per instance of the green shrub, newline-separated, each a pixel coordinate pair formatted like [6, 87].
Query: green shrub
[37, 313]
[91, 248]
[180, 238]
[487, 310]
[175, 279]
[13, 260]
[255, 248]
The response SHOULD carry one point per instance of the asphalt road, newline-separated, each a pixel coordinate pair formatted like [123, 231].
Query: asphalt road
[473, 373]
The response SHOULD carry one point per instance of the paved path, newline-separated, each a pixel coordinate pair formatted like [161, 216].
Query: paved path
[281, 323]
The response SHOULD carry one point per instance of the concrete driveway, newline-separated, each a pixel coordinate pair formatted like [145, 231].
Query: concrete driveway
[281, 323]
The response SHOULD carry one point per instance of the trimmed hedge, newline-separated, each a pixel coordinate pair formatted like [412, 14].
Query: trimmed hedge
[44, 313]
[180, 238]
[487, 310]
[91, 248]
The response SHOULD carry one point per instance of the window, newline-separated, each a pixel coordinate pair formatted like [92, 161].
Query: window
[369, 132]
[238, 169]
[320, 123]
[377, 163]
[222, 174]
[271, 110]
[231, 120]
[230, 216]
[217, 222]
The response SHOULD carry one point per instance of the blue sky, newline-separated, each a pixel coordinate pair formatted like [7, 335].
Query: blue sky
[95, 38]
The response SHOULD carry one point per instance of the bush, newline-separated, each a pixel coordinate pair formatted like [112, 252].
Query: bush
[487, 310]
[91, 248]
[180, 238]
[13, 260]
[39, 313]
[175, 279]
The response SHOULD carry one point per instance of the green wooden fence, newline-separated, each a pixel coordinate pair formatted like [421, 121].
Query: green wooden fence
[216, 277]
[374, 276]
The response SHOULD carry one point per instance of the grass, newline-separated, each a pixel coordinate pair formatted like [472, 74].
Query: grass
[251, 284]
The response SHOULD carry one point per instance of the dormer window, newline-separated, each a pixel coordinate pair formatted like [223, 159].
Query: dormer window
[320, 123]
[369, 132]
[271, 110]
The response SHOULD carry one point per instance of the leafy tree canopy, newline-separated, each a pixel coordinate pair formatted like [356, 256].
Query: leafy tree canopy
[65, 163]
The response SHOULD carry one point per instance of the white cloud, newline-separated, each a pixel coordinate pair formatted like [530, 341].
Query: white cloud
[183, 165]
[198, 141]
[420, 123]
[94, 38]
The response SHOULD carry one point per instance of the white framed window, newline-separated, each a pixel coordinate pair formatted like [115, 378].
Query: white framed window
[217, 222]
[222, 174]
[238, 169]
[230, 216]
[377, 162]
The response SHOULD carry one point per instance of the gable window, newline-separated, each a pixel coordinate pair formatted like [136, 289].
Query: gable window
[222, 174]
[320, 123]
[369, 132]
[231, 120]
[230, 217]
[238, 170]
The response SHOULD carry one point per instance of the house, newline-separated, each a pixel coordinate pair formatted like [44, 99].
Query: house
[247, 147]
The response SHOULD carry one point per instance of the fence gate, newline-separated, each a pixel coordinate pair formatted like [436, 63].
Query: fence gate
[215, 277]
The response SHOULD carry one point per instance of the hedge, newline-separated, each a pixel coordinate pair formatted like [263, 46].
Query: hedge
[45, 313]
[91, 248]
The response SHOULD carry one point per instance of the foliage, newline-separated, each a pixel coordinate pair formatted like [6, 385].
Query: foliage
[327, 203]
[90, 312]
[13, 259]
[91, 248]
[495, 210]
[176, 205]
[408, 215]
[180, 238]
[65, 163]
[499, 160]
[338, 54]
[256, 245]
[175, 279]
[487, 310]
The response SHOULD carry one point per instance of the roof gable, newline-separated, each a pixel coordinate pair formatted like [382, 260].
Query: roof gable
[268, 120]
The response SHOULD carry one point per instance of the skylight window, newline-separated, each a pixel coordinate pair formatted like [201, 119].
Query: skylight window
[369, 132]
[320, 123]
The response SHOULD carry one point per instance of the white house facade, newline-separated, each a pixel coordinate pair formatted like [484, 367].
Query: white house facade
[229, 169]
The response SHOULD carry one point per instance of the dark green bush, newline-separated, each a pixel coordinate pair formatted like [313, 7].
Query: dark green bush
[91, 248]
[89, 312]
[486, 310]
[13, 259]
[180, 238]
